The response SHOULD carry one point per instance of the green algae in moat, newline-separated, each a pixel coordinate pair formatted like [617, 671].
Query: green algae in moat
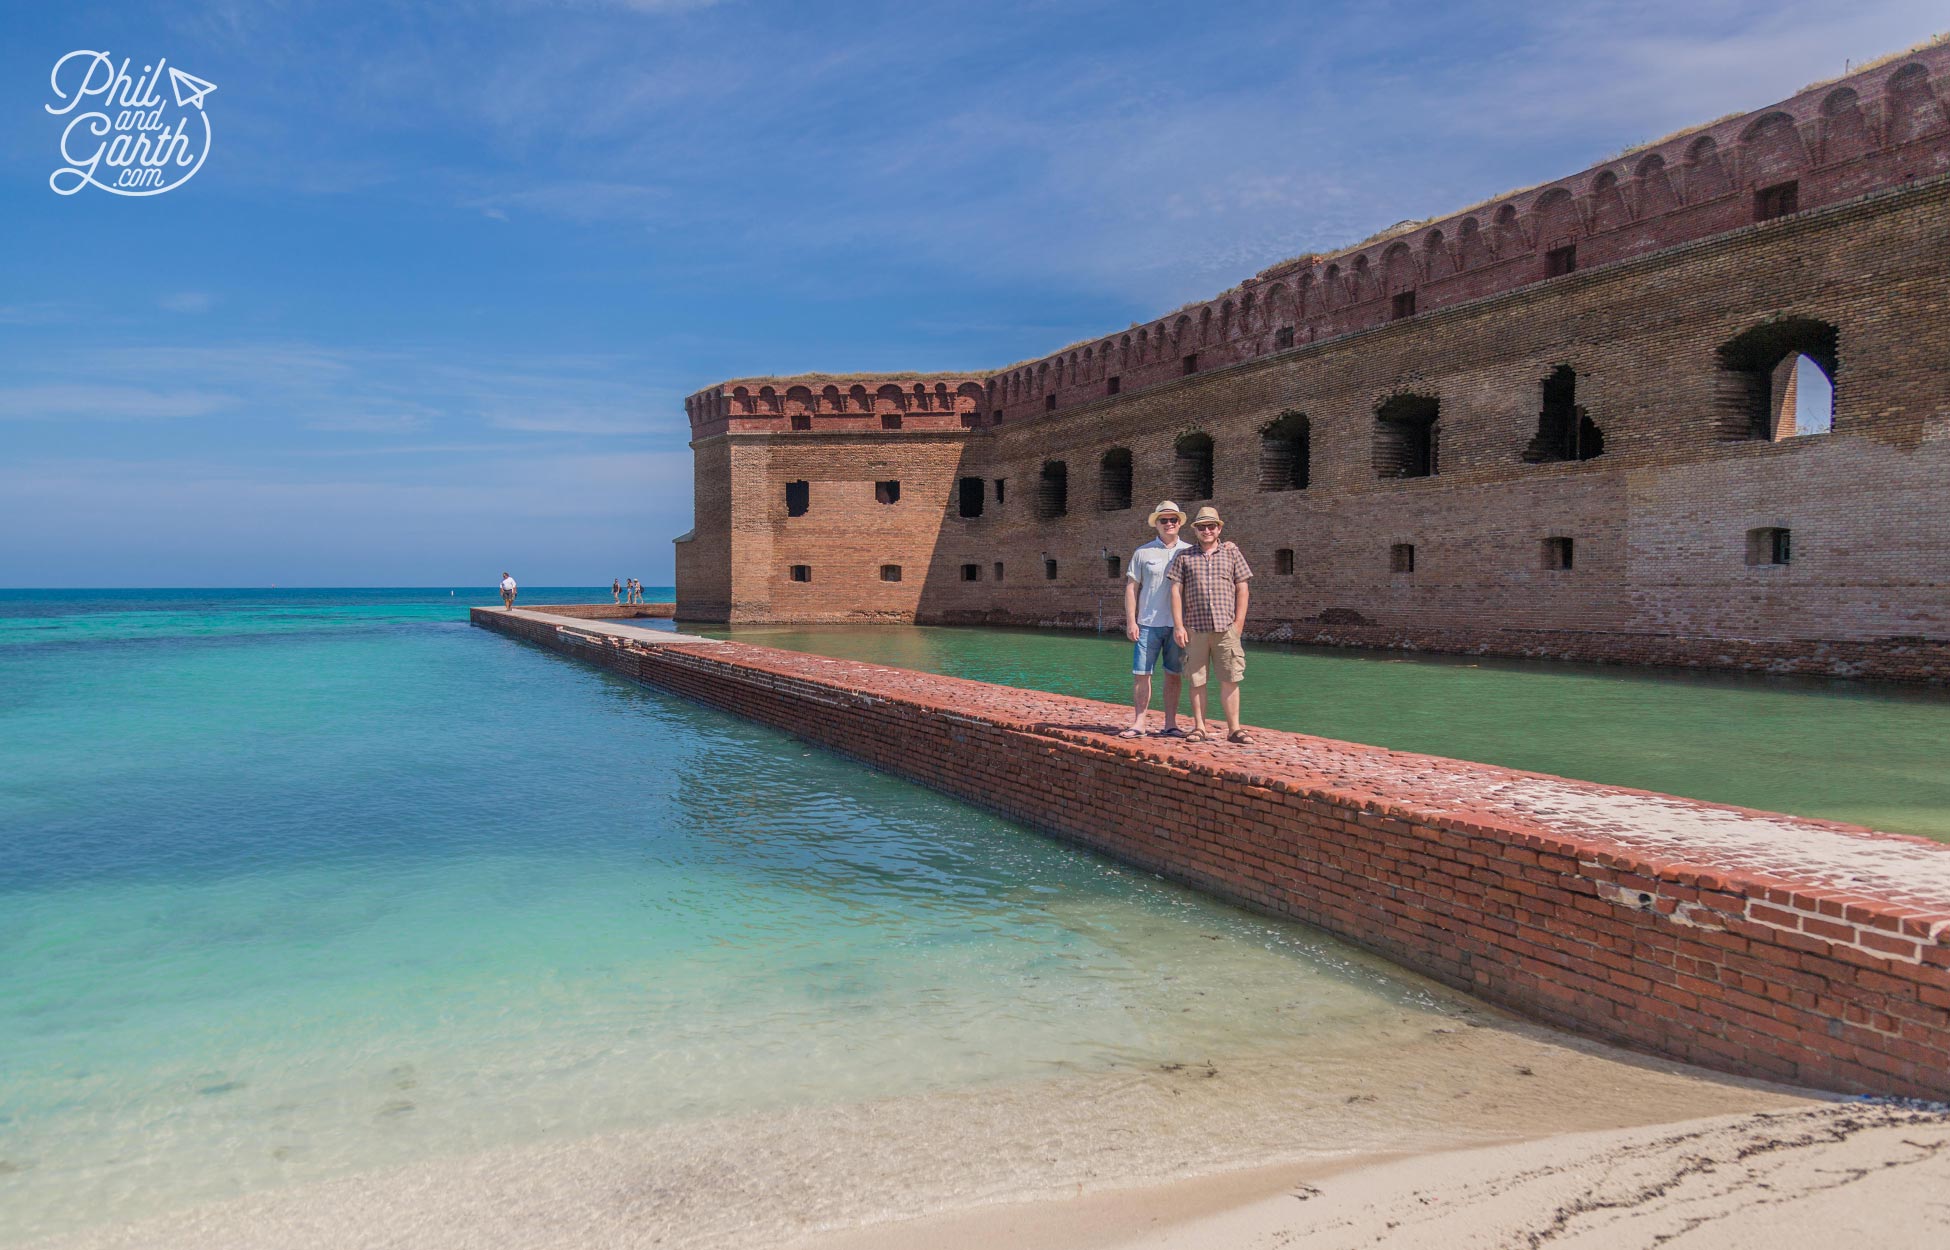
[1868, 754]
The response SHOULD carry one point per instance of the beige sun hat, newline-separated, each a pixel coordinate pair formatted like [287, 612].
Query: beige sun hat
[1166, 507]
[1208, 514]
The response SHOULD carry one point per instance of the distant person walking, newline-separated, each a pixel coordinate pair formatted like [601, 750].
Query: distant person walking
[615, 591]
[507, 591]
[1208, 609]
[636, 591]
[1148, 620]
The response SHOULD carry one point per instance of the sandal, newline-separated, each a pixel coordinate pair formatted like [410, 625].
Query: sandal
[1239, 736]
[1172, 732]
[1198, 735]
[1131, 733]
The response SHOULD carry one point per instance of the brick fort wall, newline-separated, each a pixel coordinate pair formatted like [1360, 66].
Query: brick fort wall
[1559, 424]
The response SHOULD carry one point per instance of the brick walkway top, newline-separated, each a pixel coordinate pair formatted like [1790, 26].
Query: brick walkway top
[1816, 868]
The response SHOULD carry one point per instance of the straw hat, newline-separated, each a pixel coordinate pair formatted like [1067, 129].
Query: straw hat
[1207, 514]
[1163, 509]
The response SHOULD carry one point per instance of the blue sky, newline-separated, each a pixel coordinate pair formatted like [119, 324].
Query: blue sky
[430, 308]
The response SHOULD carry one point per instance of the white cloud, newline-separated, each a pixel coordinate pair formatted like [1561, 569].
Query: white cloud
[57, 401]
[187, 302]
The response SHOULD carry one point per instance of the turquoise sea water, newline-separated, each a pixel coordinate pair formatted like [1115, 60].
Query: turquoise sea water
[1870, 754]
[295, 884]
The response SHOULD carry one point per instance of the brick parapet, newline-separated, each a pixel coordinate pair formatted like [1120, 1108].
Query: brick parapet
[1877, 129]
[1799, 950]
[820, 403]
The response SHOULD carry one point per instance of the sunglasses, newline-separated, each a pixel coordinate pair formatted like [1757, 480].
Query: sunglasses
[1167, 520]
[1206, 525]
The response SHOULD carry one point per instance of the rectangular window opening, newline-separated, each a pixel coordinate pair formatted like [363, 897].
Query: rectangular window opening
[1191, 364]
[1049, 570]
[1768, 545]
[1283, 338]
[968, 497]
[1113, 385]
[1403, 306]
[1401, 558]
[995, 418]
[802, 572]
[887, 492]
[1114, 566]
[1560, 261]
[971, 572]
[890, 421]
[798, 498]
[890, 572]
[1049, 403]
[1001, 485]
[998, 570]
[1777, 201]
[1557, 554]
[1283, 561]
[802, 421]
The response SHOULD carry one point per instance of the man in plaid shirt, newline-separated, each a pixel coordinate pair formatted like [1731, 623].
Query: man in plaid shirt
[1208, 609]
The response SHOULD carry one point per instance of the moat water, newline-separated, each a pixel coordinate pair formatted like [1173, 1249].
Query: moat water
[302, 886]
[1867, 753]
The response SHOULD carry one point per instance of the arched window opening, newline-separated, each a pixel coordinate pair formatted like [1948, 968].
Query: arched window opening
[1765, 372]
[1053, 490]
[1191, 467]
[1115, 480]
[1406, 435]
[1813, 400]
[1565, 430]
[1285, 452]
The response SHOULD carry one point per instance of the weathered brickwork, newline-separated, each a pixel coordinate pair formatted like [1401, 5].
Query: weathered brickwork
[1759, 944]
[1699, 531]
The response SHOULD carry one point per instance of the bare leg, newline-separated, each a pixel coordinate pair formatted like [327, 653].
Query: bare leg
[1173, 683]
[1229, 698]
[1141, 697]
[1198, 706]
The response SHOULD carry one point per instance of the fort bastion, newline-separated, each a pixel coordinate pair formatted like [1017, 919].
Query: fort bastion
[1562, 423]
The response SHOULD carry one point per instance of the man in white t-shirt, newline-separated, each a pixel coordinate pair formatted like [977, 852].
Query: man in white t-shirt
[1147, 620]
[507, 591]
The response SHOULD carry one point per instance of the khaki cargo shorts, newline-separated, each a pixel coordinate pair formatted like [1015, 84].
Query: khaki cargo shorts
[1225, 652]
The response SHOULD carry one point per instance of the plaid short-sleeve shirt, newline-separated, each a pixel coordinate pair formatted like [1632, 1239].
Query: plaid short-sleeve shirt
[1209, 581]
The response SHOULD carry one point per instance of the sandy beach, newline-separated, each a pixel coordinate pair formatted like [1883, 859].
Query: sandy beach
[1840, 1174]
[1506, 1133]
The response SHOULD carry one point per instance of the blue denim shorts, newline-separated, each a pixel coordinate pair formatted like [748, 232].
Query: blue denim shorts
[1153, 639]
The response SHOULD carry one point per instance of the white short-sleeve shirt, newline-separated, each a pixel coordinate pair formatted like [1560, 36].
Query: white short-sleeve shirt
[1147, 569]
[507, 583]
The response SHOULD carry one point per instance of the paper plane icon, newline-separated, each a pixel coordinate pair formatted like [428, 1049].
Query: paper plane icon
[189, 89]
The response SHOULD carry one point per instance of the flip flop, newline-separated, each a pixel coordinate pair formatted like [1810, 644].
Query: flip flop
[1173, 732]
[1132, 733]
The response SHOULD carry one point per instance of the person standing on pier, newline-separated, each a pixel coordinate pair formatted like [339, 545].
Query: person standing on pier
[615, 591]
[1208, 610]
[507, 591]
[1147, 620]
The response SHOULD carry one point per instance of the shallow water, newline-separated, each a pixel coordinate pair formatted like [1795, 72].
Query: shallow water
[295, 885]
[1870, 754]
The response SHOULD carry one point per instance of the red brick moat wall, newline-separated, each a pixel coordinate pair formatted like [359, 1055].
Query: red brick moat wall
[1754, 943]
[605, 611]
